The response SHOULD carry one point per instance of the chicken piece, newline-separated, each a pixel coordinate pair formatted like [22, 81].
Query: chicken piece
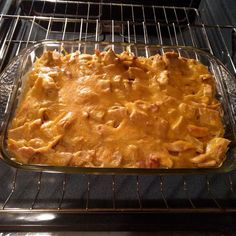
[44, 88]
[131, 152]
[198, 131]
[217, 147]
[52, 158]
[142, 105]
[36, 142]
[136, 73]
[170, 56]
[66, 120]
[73, 56]
[57, 126]
[197, 143]
[179, 146]
[26, 152]
[161, 127]
[163, 78]
[110, 57]
[200, 158]
[209, 117]
[96, 115]
[205, 77]
[138, 116]
[104, 86]
[83, 158]
[60, 158]
[15, 144]
[117, 158]
[86, 95]
[116, 82]
[206, 164]
[37, 89]
[49, 71]
[108, 158]
[117, 113]
[35, 124]
[126, 56]
[16, 133]
[48, 82]
[158, 64]
[101, 129]
[159, 159]
[187, 110]
[56, 55]
[49, 145]
[215, 151]
[207, 90]
[85, 57]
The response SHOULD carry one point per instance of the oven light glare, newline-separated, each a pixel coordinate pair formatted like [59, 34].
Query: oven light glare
[38, 217]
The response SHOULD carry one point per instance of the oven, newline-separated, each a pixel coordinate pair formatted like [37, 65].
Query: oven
[41, 201]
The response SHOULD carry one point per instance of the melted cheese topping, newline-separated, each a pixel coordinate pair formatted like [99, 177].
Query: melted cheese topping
[118, 110]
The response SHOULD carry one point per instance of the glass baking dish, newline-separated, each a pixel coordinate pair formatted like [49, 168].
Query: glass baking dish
[12, 84]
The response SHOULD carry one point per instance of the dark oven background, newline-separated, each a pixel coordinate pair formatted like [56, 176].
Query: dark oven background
[47, 201]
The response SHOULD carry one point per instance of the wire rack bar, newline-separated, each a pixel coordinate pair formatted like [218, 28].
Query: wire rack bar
[231, 185]
[78, 20]
[63, 191]
[49, 27]
[187, 193]
[138, 192]
[113, 192]
[87, 20]
[162, 192]
[120, 210]
[12, 190]
[38, 190]
[99, 4]
[209, 191]
[10, 33]
[88, 193]
[227, 50]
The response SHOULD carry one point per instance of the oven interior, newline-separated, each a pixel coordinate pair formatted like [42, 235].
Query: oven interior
[40, 200]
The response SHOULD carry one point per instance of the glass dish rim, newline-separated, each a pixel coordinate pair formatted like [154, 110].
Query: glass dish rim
[6, 156]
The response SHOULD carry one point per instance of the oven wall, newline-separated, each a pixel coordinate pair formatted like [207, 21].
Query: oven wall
[218, 11]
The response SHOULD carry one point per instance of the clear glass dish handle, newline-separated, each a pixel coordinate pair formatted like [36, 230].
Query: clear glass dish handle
[231, 90]
[233, 40]
[6, 85]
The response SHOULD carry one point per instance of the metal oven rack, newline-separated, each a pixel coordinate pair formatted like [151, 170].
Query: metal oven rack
[63, 201]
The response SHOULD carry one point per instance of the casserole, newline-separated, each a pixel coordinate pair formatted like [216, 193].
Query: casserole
[28, 57]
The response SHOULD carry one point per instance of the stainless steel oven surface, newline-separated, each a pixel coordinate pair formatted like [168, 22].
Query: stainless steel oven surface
[40, 201]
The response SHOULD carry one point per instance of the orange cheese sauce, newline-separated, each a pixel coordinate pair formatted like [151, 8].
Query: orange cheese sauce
[118, 110]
